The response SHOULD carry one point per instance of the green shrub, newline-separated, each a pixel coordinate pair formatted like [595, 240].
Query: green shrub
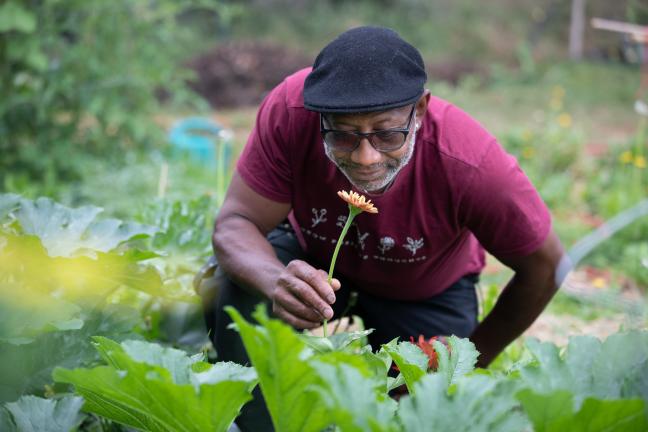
[86, 77]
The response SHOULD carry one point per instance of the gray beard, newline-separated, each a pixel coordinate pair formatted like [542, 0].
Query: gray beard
[393, 168]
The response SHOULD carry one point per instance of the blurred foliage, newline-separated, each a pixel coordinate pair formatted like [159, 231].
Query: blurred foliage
[67, 275]
[86, 77]
[621, 181]
[441, 29]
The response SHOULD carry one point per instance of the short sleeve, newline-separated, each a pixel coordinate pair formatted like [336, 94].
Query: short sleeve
[264, 163]
[502, 208]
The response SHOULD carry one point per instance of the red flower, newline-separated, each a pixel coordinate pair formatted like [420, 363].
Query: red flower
[428, 349]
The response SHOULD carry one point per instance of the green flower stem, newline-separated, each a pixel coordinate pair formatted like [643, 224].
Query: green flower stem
[353, 211]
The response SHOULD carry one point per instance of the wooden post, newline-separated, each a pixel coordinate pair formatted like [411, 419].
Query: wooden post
[577, 29]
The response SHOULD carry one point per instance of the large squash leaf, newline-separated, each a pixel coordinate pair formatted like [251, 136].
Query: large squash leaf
[156, 389]
[25, 313]
[613, 369]
[285, 376]
[34, 414]
[23, 259]
[554, 412]
[355, 399]
[27, 368]
[477, 403]
[67, 232]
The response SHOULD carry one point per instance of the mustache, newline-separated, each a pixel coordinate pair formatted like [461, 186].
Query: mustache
[351, 165]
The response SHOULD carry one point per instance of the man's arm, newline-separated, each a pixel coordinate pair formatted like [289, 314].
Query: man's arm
[299, 292]
[521, 301]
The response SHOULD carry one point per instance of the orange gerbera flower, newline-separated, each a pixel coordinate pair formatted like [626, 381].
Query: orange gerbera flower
[358, 201]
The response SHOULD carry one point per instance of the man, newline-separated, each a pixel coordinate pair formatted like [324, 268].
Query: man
[445, 189]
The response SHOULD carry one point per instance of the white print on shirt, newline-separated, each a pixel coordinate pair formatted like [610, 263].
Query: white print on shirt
[341, 221]
[413, 245]
[361, 237]
[397, 260]
[319, 217]
[386, 243]
[313, 234]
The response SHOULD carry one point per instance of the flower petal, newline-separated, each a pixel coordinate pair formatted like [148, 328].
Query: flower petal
[358, 201]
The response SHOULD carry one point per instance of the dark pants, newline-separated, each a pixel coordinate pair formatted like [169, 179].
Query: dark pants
[454, 311]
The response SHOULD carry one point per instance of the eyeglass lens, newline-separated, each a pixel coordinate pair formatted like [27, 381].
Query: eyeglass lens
[380, 140]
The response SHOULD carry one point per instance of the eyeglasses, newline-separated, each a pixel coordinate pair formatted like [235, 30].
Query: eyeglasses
[386, 140]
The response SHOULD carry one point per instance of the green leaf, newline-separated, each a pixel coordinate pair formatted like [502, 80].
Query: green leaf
[555, 412]
[478, 403]
[458, 361]
[67, 232]
[411, 361]
[152, 397]
[184, 234]
[34, 414]
[28, 368]
[6, 423]
[335, 342]
[14, 16]
[280, 358]
[8, 204]
[354, 400]
[121, 355]
[25, 259]
[342, 340]
[26, 313]
[317, 343]
[615, 368]
[225, 371]
[380, 364]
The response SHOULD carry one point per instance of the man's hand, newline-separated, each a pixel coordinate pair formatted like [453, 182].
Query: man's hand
[302, 296]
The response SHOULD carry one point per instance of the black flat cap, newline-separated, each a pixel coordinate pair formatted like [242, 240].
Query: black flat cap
[365, 69]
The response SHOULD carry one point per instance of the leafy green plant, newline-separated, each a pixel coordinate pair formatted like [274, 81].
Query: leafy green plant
[555, 412]
[68, 277]
[61, 274]
[455, 396]
[30, 413]
[152, 388]
[278, 356]
[475, 403]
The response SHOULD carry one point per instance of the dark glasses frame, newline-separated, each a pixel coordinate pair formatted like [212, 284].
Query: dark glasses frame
[369, 135]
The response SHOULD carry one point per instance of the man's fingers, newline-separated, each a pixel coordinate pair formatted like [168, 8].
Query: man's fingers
[314, 278]
[297, 308]
[292, 320]
[304, 293]
[335, 284]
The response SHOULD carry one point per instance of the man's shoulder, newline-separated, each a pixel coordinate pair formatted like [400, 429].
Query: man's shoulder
[285, 101]
[457, 136]
[294, 88]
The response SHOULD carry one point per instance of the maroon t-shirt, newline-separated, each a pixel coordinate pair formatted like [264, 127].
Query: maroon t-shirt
[460, 193]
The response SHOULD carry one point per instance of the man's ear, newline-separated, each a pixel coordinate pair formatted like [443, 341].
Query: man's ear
[421, 105]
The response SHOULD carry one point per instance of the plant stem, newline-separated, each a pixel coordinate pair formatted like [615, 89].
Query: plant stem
[352, 214]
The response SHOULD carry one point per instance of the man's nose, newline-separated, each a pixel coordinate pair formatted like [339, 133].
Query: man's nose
[365, 154]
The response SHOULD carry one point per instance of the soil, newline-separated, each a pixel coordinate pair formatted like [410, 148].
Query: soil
[241, 73]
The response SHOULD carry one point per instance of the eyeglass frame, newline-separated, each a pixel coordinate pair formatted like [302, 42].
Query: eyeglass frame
[368, 135]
